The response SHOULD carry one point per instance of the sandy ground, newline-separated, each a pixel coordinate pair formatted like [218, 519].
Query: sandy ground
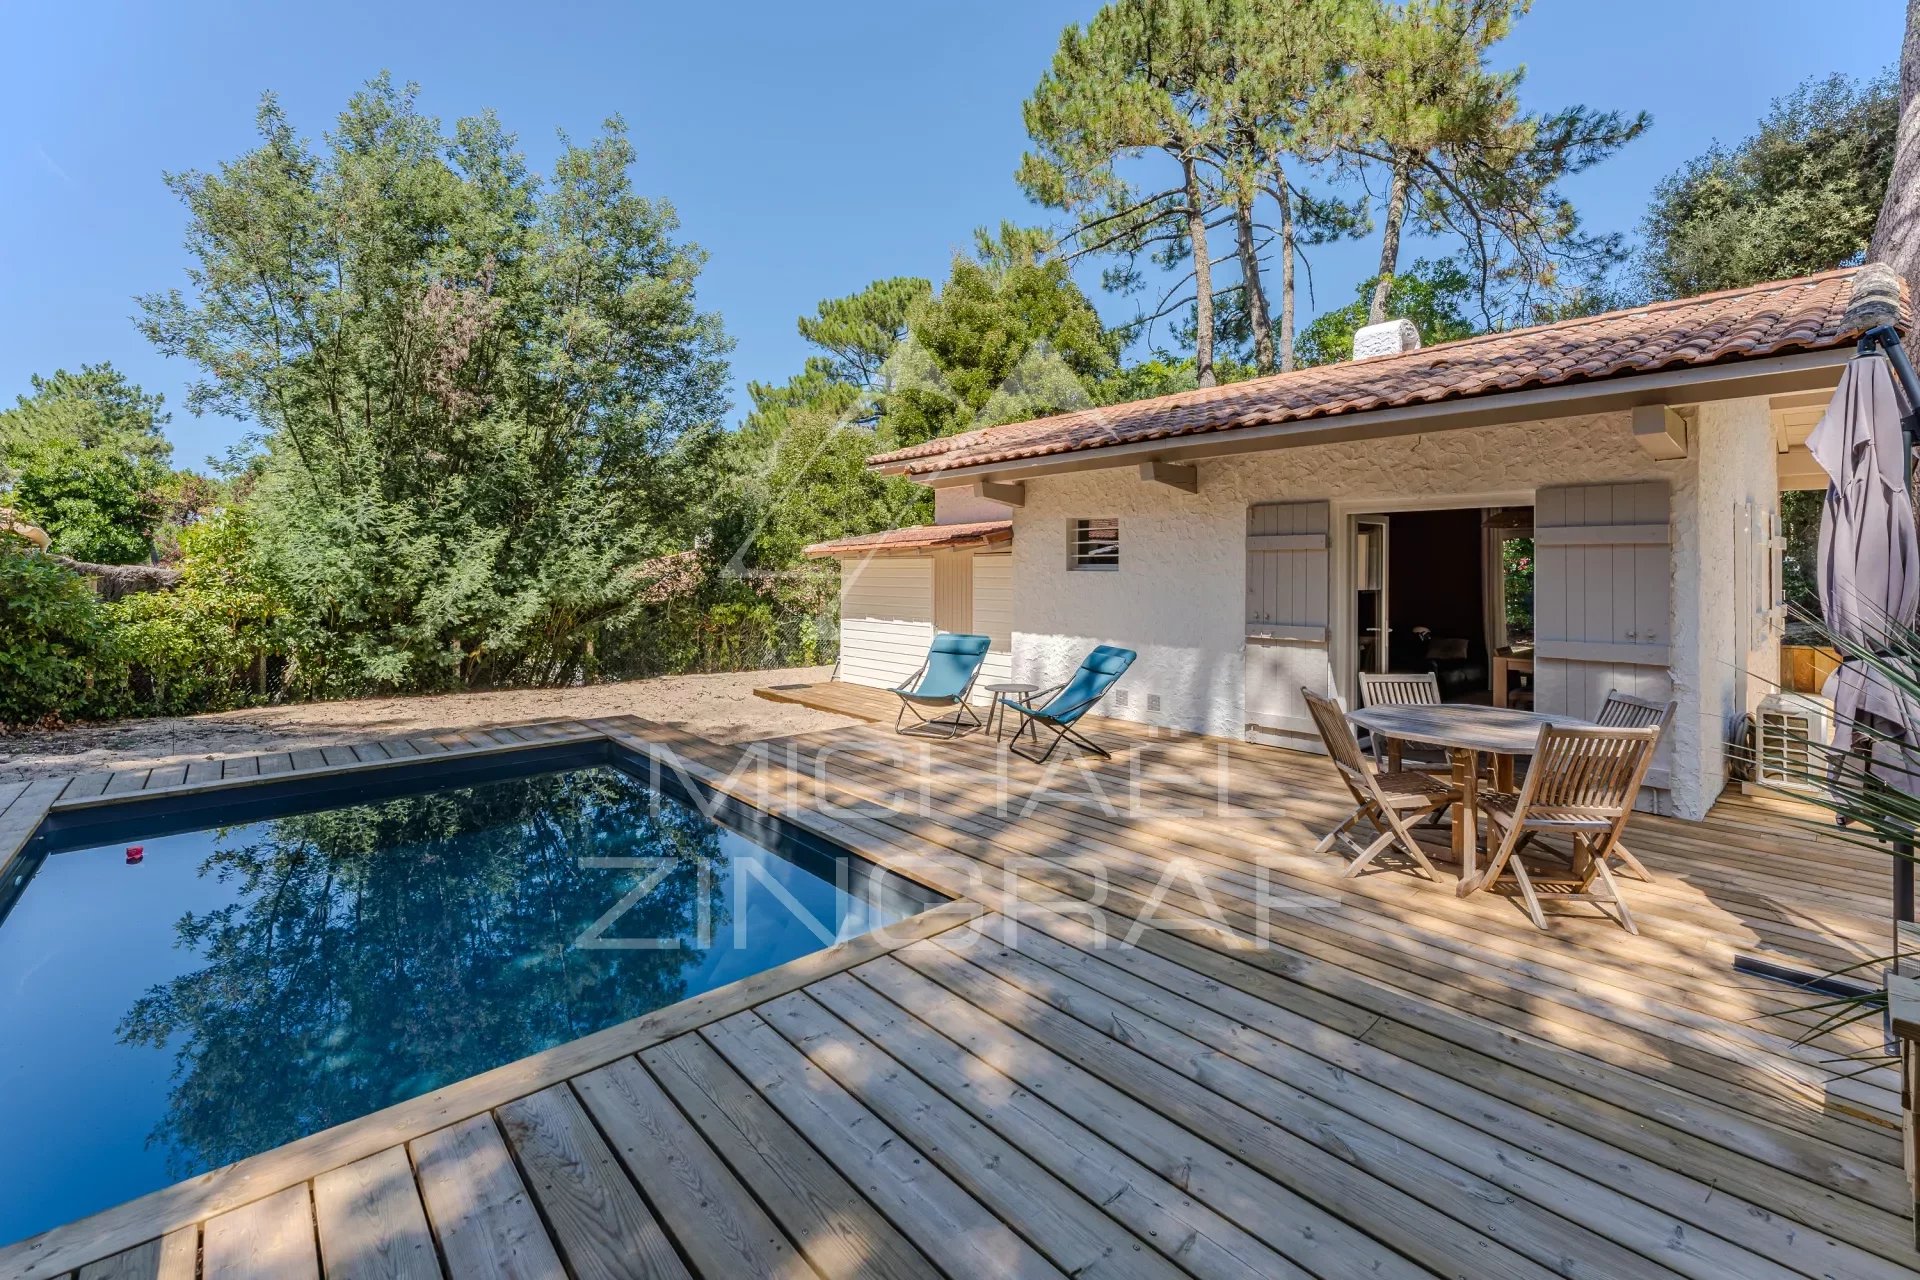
[720, 707]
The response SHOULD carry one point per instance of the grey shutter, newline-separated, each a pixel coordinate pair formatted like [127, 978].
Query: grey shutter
[1287, 613]
[1603, 577]
[1287, 571]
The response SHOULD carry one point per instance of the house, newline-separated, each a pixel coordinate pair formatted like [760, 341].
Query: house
[1293, 530]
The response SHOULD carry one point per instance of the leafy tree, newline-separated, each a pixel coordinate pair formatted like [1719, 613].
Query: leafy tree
[1128, 85]
[1801, 195]
[860, 333]
[799, 476]
[84, 457]
[1010, 336]
[1276, 80]
[1434, 295]
[483, 395]
[1461, 159]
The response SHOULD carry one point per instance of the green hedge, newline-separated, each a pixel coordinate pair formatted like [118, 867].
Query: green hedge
[59, 654]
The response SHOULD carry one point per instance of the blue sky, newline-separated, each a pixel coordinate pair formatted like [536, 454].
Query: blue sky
[809, 148]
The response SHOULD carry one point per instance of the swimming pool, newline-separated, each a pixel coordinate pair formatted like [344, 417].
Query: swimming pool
[181, 986]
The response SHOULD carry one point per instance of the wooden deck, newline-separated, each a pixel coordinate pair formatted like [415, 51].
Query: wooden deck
[1396, 1082]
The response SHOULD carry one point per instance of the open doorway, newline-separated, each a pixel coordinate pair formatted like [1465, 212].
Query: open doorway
[1448, 592]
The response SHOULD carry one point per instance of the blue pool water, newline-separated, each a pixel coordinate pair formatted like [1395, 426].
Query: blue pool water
[244, 985]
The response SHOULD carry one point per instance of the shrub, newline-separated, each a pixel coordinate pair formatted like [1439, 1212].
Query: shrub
[59, 657]
[207, 644]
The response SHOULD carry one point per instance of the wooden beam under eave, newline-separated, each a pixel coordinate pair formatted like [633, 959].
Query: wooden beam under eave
[1175, 475]
[1660, 431]
[1011, 494]
[1798, 470]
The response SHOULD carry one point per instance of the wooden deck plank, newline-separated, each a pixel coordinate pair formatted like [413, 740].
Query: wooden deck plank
[23, 818]
[240, 767]
[175, 1257]
[1130, 875]
[10, 791]
[1075, 1236]
[82, 786]
[1165, 1214]
[126, 781]
[1638, 1215]
[371, 1223]
[1726, 1125]
[960, 1234]
[843, 1236]
[270, 1239]
[602, 1226]
[719, 1225]
[1313, 1198]
[1641, 1157]
[166, 775]
[478, 1206]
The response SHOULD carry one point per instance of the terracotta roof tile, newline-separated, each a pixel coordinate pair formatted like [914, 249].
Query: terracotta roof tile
[1760, 320]
[923, 537]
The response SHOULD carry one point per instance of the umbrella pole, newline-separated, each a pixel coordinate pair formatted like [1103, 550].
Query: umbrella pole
[1885, 340]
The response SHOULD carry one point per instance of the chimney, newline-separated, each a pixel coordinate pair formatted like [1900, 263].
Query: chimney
[1388, 338]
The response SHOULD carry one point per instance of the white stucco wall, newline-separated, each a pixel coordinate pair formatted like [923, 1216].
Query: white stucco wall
[1179, 596]
[1737, 463]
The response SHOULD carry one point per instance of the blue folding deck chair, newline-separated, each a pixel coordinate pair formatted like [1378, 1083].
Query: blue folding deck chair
[1101, 670]
[942, 684]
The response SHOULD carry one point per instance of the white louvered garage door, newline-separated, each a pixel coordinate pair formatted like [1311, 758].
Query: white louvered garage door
[886, 618]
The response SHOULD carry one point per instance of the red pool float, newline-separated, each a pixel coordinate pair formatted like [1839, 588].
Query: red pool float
[135, 853]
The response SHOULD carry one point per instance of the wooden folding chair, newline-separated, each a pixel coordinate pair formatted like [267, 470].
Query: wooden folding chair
[1401, 689]
[1582, 784]
[1386, 800]
[1624, 711]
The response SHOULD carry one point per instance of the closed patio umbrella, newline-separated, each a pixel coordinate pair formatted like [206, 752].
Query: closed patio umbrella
[1869, 566]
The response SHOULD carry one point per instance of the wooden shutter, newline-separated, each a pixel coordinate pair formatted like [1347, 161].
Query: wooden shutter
[1603, 577]
[1287, 571]
[1759, 573]
[1287, 613]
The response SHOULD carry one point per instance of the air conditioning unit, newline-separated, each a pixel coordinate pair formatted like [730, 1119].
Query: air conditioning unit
[1789, 730]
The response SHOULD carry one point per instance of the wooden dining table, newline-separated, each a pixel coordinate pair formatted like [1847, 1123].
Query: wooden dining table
[1466, 731]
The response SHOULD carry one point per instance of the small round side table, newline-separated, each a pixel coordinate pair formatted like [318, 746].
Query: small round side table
[997, 711]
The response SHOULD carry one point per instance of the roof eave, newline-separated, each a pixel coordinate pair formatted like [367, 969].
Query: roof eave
[1734, 379]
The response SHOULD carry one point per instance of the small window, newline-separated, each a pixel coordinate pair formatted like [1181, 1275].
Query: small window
[1096, 545]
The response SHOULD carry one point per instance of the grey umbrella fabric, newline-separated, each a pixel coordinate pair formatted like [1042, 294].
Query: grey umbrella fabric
[1869, 566]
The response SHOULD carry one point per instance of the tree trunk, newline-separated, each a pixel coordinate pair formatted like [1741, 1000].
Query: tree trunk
[1202, 276]
[1256, 293]
[1896, 235]
[1389, 243]
[1285, 199]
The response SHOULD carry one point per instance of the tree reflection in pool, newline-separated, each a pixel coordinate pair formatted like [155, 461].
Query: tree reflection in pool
[241, 987]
